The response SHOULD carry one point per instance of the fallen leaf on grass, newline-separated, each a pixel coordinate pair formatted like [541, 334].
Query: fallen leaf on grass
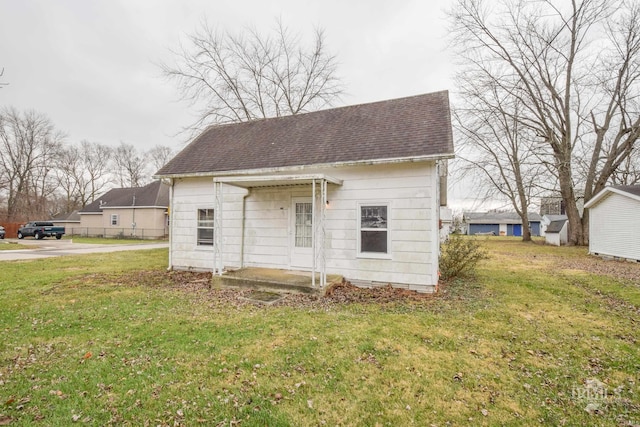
[5, 421]
[87, 355]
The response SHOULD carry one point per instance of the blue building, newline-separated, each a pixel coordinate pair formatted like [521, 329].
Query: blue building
[499, 223]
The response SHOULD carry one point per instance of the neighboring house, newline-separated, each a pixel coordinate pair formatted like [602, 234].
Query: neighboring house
[551, 205]
[70, 221]
[499, 223]
[554, 205]
[614, 222]
[140, 212]
[352, 191]
[556, 233]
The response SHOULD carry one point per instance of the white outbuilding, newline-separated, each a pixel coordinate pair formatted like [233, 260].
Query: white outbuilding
[614, 222]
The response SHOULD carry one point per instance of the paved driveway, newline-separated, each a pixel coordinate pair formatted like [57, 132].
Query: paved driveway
[48, 248]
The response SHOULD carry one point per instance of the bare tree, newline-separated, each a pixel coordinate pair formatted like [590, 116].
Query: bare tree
[629, 172]
[497, 149]
[82, 173]
[69, 177]
[130, 166]
[159, 156]
[249, 75]
[28, 146]
[577, 69]
[2, 74]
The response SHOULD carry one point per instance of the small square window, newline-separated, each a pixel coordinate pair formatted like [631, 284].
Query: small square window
[205, 227]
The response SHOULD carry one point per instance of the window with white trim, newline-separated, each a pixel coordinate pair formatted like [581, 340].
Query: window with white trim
[374, 229]
[114, 219]
[205, 227]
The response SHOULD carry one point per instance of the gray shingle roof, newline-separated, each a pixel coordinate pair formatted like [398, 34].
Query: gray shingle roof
[417, 126]
[154, 194]
[67, 216]
[631, 189]
[555, 226]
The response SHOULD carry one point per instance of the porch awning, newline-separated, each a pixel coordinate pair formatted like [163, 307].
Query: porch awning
[252, 181]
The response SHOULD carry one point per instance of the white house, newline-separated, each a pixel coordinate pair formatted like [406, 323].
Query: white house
[352, 191]
[614, 222]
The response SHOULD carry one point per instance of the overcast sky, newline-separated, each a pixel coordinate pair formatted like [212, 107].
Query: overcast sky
[91, 66]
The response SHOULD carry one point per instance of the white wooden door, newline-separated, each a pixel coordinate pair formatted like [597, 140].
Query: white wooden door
[301, 233]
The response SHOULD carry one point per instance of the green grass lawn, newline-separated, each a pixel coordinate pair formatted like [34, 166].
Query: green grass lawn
[533, 340]
[6, 245]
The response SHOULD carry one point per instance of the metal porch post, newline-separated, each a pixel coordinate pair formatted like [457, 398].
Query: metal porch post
[323, 217]
[217, 229]
[313, 233]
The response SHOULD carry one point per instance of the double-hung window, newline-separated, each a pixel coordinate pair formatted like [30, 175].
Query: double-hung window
[205, 227]
[374, 229]
[114, 219]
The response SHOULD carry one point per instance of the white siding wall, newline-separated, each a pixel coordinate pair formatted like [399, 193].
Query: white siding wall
[267, 222]
[189, 196]
[614, 227]
[552, 239]
[409, 189]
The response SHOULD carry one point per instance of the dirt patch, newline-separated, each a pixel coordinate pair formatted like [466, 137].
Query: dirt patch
[199, 286]
[628, 272]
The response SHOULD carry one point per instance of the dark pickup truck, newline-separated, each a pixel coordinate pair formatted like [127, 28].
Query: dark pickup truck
[40, 230]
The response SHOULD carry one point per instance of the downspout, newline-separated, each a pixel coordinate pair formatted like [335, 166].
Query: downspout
[171, 182]
[438, 203]
[133, 219]
[244, 223]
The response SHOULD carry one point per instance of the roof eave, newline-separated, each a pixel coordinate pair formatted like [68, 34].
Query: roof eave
[605, 192]
[262, 171]
[134, 207]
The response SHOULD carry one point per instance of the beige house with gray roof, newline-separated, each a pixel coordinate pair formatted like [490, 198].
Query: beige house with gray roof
[352, 191]
[140, 212]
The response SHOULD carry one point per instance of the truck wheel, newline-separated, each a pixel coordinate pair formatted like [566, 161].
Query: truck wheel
[38, 236]
[58, 236]
[20, 236]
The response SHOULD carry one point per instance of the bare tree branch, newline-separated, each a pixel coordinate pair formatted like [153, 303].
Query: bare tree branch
[574, 68]
[159, 156]
[129, 166]
[82, 173]
[29, 144]
[248, 75]
[2, 74]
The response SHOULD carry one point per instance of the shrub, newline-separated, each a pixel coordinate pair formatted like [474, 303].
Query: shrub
[459, 256]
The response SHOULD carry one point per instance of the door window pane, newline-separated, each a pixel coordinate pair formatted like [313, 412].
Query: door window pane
[304, 224]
